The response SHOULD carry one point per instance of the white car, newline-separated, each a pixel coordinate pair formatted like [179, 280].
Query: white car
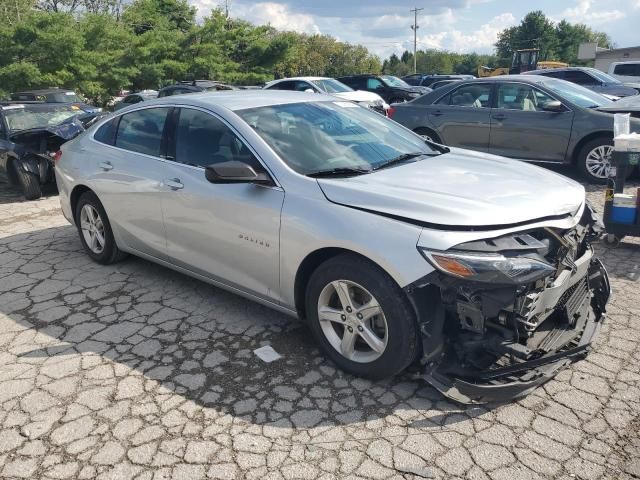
[625, 71]
[332, 87]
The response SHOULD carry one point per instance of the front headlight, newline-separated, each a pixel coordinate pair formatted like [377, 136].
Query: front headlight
[488, 267]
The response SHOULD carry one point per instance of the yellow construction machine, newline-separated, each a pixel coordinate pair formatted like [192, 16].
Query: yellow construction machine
[522, 61]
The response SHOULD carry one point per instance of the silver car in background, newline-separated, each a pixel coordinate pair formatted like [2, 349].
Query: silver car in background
[475, 269]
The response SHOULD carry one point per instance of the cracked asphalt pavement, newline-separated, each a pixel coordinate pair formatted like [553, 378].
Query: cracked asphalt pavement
[133, 371]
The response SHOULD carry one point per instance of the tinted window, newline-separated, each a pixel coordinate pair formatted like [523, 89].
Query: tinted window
[131, 99]
[141, 131]
[374, 84]
[628, 69]
[354, 82]
[475, 96]
[581, 78]
[107, 132]
[286, 85]
[202, 139]
[521, 97]
[552, 73]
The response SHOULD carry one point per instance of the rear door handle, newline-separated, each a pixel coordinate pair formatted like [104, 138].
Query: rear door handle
[173, 183]
[499, 116]
[106, 166]
[437, 113]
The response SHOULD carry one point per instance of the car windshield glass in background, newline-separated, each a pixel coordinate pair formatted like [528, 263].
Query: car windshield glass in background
[23, 117]
[321, 136]
[395, 81]
[330, 85]
[583, 97]
[604, 77]
[64, 97]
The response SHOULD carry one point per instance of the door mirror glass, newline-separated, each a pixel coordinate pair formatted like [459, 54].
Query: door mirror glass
[309, 90]
[234, 171]
[553, 106]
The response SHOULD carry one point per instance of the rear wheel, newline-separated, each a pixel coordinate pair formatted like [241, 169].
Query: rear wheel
[360, 318]
[428, 134]
[28, 182]
[95, 230]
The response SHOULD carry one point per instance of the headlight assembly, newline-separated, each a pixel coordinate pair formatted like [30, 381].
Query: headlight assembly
[488, 267]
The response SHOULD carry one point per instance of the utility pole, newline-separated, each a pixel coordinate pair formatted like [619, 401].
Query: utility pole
[415, 27]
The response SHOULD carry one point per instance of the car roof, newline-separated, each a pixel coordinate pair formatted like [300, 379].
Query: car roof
[517, 78]
[241, 99]
[559, 69]
[43, 91]
[299, 78]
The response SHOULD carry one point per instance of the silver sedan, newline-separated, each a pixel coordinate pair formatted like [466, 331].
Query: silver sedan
[475, 269]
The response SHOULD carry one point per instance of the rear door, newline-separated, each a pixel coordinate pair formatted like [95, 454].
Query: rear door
[227, 232]
[462, 117]
[128, 177]
[521, 128]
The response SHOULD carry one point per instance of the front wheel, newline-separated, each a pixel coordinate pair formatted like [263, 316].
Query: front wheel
[594, 160]
[29, 183]
[361, 318]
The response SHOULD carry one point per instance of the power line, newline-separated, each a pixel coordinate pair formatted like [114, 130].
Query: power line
[415, 27]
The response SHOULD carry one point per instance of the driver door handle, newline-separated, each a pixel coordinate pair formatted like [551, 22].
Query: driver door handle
[437, 113]
[499, 116]
[106, 166]
[173, 183]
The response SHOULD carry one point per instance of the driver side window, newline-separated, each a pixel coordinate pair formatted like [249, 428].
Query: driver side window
[202, 140]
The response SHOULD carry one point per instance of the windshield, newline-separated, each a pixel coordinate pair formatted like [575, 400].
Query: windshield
[603, 77]
[576, 94]
[330, 85]
[23, 117]
[321, 136]
[64, 97]
[395, 81]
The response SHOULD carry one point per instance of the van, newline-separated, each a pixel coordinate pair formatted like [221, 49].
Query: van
[625, 71]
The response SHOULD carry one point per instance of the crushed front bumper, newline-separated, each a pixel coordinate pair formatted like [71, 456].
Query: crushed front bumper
[585, 303]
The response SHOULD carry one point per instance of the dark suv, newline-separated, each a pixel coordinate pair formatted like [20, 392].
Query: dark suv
[54, 95]
[421, 79]
[390, 88]
[590, 78]
[193, 86]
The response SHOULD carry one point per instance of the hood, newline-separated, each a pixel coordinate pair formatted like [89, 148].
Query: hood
[624, 105]
[620, 90]
[66, 130]
[359, 96]
[461, 190]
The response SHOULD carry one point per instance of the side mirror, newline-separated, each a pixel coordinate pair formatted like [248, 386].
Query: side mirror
[309, 90]
[234, 171]
[553, 106]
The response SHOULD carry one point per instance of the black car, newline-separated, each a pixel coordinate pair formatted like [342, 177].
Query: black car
[592, 79]
[390, 88]
[424, 80]
[193, 86]
[442, 83]
[30, 137]
[134, 98]
[54, 95]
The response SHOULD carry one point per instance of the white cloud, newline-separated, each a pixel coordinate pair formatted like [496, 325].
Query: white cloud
[482, 39]
[583, 12]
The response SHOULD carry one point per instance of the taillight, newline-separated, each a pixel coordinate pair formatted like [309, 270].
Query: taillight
[57, 156]
[390, 112]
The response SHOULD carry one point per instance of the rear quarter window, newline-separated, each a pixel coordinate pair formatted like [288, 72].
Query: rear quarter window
[106, 133]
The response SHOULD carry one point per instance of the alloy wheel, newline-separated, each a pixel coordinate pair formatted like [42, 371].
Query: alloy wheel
[598, 161]
[352, 321]
[92, 229]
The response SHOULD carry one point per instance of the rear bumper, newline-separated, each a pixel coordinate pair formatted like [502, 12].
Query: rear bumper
[517, 379]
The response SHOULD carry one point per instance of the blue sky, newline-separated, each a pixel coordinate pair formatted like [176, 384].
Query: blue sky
[456, 25]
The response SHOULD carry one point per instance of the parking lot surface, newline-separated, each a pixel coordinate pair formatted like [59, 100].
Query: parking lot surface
[135, 371]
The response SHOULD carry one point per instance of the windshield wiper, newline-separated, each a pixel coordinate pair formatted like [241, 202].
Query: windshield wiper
[403, 158]
[336, 172]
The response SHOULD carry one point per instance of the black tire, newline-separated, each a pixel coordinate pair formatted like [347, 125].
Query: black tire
[581, 159]
[402, 338]
[110, 252]
[427, 132]
[28, 182]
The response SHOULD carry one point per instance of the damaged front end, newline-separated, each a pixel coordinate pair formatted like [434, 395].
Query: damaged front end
[501, 316]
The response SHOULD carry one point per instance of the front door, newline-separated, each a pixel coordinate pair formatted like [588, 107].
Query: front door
[462, 117]
[521, 128]
[227, 232]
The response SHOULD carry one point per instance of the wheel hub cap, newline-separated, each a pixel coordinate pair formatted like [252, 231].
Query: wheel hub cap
[599, 161]
[92, 229]
[352, 321]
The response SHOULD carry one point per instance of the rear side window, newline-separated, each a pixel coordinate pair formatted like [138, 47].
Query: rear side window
[141, 131]
[202, 139]
[581, 78]
[107, 132]
[627, 69]
[553, 74]
[474, 96]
